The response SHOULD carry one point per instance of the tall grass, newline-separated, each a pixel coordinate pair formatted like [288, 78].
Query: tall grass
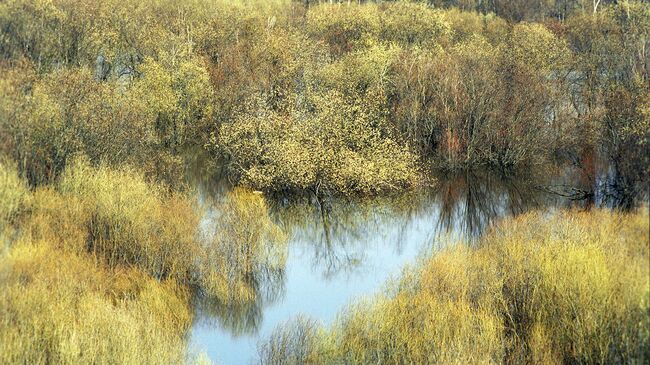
[569, 287]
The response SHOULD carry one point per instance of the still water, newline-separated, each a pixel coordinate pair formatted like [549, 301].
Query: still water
[340, 251]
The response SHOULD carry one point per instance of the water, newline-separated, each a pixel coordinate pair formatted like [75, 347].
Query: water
[320, 278]
[340, 251]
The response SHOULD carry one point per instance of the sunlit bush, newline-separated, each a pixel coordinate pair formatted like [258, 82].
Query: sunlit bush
[342, 147]
[408, 23]
[58, 307]
[53, 118]
[117, 216]
[567, 287]
[105, 266]
[344, 28]
[359, 72]
[131, 222]
[464, 25]
[181, 107]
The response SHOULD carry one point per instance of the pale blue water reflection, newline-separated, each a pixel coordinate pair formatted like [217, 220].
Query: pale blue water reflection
[340, 251]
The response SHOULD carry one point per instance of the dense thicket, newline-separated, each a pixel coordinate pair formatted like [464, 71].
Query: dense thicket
[341, 97]
[569, 288]
[101, 256]
[528, 10]
[103, 267]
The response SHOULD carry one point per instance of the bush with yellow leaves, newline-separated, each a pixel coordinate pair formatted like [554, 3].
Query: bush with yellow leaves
[103, 266]
[567, 287]
[341, 147]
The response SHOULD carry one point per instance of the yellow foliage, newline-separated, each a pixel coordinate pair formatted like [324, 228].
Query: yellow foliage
[14, 194]
[410, 23]
[105, 265]
[344, 28]
[535, 47]
[540, 288]
[58, 307]
[344, 147]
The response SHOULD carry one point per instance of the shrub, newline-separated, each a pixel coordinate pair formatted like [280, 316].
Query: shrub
[359, 72]
[58, 307]
[476, 104]
[291, 343]
[408, 23]
[465, 25]
[106, 264]
[343, 147]
[571, 287]
[66, 113]
[181, 107]
[117, 216]
[344, 28]
[14, 194]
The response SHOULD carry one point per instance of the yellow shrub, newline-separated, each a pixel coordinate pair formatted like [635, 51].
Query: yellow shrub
[409, 23]
[566, 287]
[343, 147]
[105, 266]
[60, 308]
[132, 222]
[344, 28]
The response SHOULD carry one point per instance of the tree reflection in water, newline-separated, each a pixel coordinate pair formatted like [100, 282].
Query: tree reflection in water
[338, 229]
[461, 206]
[471, 201]
[337, 235]
[248, 251]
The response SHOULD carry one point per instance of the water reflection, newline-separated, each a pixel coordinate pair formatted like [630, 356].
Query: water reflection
[248, 252]
[594, 182]
[461, 207]
[473, 200]
[241, 318]
[342, 249]
[339, 230]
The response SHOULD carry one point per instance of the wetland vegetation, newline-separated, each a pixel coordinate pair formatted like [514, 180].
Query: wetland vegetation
[172, 168]
[571, 287]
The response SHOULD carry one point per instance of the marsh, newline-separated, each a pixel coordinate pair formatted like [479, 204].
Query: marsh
[325, 182]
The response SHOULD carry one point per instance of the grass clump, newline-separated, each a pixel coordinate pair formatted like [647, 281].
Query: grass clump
[570, 287]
